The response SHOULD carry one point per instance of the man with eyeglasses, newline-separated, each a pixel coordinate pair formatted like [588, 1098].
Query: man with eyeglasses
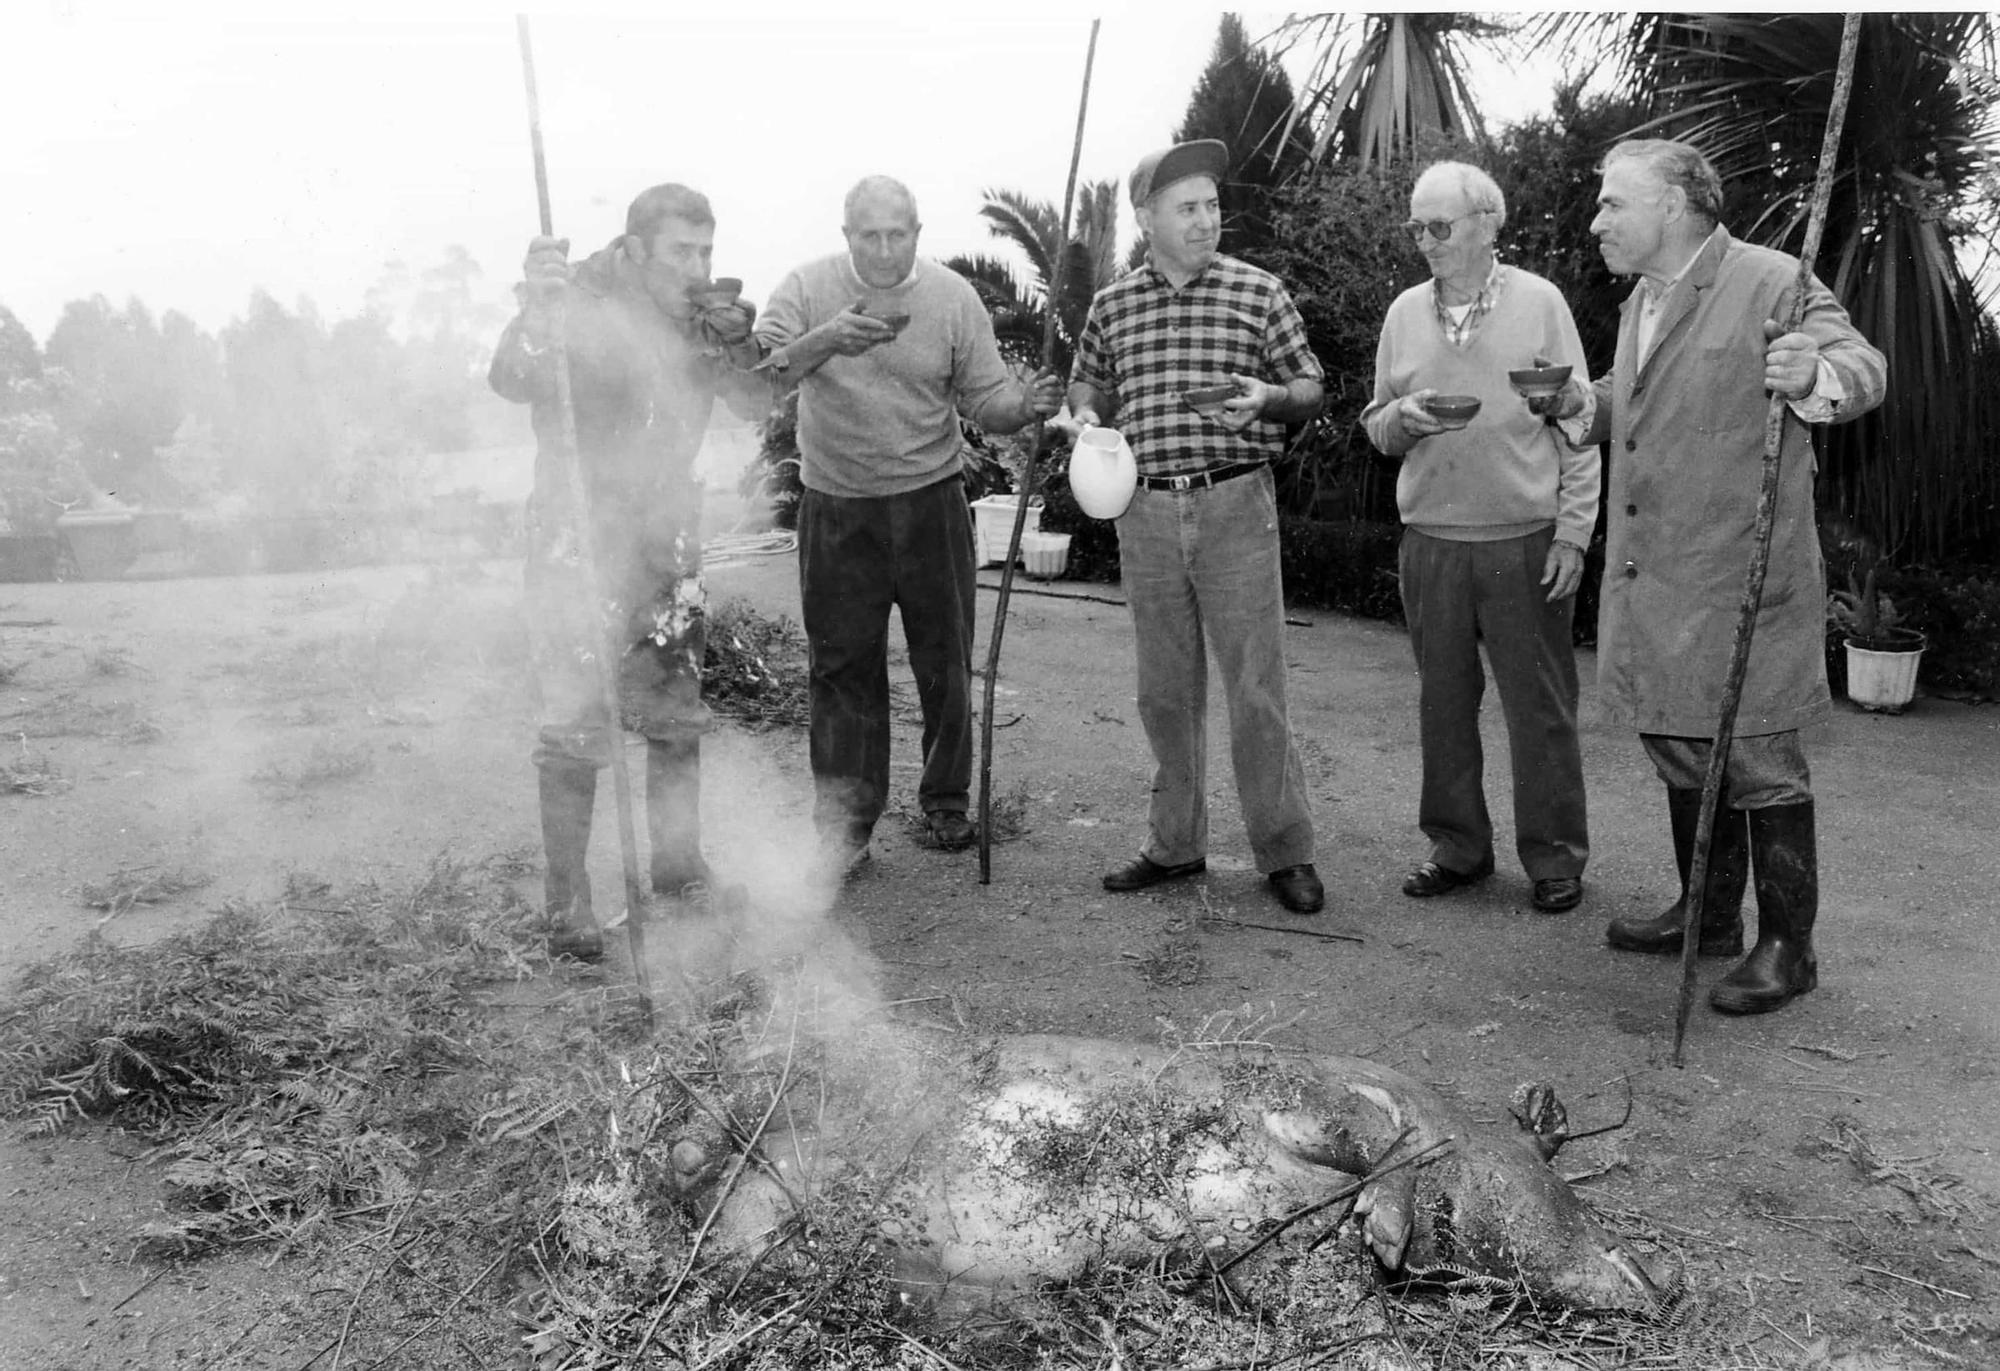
[1700, 353]
[650, 346]
[1199, 545]
[1497, 513]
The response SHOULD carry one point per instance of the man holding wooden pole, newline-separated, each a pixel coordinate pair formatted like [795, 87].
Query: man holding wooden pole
[890, 352]
[1699, 354]
[651, 343]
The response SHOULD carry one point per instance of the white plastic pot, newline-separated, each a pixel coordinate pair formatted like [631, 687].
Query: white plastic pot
[1885, 682]
[1044, 555]
[993, 523]
[1102, 473]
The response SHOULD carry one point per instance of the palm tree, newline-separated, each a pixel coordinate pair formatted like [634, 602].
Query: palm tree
[1921, 140]
[1017, 300]
[1381, 84]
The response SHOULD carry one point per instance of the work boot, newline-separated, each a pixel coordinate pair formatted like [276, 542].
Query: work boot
[673, 815]
[1722, 901]
[568, 794]
[1784, 856]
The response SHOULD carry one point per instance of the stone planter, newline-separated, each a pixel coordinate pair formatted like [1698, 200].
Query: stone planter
[1882, 677]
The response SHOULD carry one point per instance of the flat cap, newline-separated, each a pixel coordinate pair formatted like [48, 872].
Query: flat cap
[1158, 170]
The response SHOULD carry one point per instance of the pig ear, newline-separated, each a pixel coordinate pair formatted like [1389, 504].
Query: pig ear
[1384, 1208]
[1541, 1116]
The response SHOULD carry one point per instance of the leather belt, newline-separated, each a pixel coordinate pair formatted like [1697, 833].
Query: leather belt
[1201, 480]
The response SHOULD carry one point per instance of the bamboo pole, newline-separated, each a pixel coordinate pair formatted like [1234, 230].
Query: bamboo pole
[1055, 295]
[1760, 552]
[608, 650]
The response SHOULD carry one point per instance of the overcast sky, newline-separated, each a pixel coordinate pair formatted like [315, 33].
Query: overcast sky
[189, 159]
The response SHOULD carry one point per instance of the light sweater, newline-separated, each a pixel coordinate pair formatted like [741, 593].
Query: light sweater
[886, 422]
[1507, 473]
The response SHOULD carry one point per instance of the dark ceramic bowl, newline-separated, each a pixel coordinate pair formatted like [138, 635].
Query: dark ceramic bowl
[1207, 401]
[1455, 411]
[724, 290]
[1537, 382]
[897, 319]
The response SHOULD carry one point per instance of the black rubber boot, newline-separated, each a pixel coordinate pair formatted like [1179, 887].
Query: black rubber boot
[673, 816]
[1784, 853]
[1722, 903]
[568, 794]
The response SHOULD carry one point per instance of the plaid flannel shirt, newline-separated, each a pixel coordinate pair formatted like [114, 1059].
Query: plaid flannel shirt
[1145, 343]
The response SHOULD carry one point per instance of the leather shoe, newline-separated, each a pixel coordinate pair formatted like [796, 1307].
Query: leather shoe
[1298, 888]
[1431, 879]
[1143, 871]
[1557, 894]
[950, 830]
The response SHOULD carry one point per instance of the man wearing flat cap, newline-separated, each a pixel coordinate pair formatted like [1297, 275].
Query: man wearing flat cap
[1199, 544]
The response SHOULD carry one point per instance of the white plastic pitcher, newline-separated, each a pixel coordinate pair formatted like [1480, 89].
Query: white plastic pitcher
[1102, 472]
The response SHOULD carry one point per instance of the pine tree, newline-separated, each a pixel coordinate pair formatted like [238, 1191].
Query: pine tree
[1244, 99]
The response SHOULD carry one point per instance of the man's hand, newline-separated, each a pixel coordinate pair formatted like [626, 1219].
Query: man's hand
[544, 277]
[1791, 362]
[1042, 396]
[851, 333]
[1562, 571]
[1073, 422]
[1247, 405]
[1566, 403]
[729, 324]
[546, 269]
[1417, 421]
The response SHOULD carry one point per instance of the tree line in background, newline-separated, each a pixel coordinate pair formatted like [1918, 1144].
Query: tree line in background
[279, 413]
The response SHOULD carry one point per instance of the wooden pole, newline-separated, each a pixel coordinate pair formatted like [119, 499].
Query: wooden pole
[1760, 552]
[1054, 304]
[608, 649]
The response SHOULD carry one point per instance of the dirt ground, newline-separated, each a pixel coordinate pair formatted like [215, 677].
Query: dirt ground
[1830, 1167]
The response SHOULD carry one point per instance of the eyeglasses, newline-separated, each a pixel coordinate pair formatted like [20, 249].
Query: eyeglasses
[1439, 229]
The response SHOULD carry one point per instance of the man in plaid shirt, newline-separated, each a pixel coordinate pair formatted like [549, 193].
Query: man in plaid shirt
[1199, 544]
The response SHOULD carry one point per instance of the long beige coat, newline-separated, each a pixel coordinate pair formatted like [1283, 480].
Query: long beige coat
[1686, 459]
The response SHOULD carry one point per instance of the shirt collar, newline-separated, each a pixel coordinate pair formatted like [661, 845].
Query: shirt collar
[1484, 296]
[1653, 296]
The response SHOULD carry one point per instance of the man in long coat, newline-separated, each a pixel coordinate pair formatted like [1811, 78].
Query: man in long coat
[1699, 354]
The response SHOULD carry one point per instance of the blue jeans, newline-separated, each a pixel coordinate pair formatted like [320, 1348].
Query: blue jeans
[858, 558]
[1201, 574]
[1457, 595]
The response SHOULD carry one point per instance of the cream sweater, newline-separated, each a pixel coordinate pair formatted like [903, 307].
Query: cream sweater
[1506, 474]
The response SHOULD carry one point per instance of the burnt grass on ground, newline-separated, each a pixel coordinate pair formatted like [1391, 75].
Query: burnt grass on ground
[401, 1092]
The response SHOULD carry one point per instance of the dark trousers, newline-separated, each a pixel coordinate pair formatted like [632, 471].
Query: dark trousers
[1457, 595]
[857, 559]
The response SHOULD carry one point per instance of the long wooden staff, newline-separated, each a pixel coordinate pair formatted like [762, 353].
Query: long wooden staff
[1760, 552]
[1054, 304]
[608, 649]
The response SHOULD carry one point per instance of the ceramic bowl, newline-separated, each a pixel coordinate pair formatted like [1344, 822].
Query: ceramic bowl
[1536, 382]
[897, 319]
[1454, 411]
[724, 290]
[1207, 401]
